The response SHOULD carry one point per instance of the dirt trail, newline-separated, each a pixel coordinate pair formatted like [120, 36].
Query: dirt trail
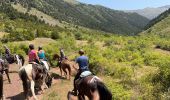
[165, 52]
[58, 91]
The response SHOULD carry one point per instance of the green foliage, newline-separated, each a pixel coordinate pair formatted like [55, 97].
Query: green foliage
[163, 44]
[78, 36]
[119, 93]
[55, 35]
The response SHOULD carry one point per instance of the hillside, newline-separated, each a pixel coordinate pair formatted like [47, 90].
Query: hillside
[149, 12]
[91, 16]
[160, 25]
[130, 66]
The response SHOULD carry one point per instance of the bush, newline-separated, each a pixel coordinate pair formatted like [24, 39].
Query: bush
[55, 35]
[78, 36]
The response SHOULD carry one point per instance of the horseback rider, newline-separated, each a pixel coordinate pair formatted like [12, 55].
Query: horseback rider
[7, 52]
[33, 57]
[83, 63]
[41, 54]
[35, 61]
[62, 54]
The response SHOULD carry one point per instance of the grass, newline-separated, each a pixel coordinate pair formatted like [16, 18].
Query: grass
[2, 34]
[40, 15]
[37, 42]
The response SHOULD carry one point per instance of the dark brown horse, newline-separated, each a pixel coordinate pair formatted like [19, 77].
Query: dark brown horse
[64, 65]
[4, 66]
[18, 59]
[92, 87]
[1, 81]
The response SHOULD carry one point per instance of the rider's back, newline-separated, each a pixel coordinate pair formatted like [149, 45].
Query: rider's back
[82, 62]
[41, 54]
[32, 55]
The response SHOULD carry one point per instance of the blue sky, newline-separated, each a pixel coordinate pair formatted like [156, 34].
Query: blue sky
[128, 4]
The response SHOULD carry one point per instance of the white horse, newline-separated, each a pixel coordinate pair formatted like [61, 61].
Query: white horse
[28, 74]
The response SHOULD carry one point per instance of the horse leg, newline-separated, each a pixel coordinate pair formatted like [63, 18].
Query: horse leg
[44, 84]
[7, 74]
[81, 97]
[1, 86]
[32, 89]
[94, 95]
[65, 72]
[69, 70]
[60, 70]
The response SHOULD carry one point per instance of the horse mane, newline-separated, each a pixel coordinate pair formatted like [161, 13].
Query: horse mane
[23, 60]
[104, 93]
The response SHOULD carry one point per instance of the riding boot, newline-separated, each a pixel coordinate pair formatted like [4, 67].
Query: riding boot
[74, 89]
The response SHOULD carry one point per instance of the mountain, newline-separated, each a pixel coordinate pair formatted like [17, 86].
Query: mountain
[160, 26]
[91, 16]
[150, 13]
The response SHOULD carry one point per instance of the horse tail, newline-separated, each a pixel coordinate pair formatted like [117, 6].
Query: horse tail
[105, 94]
[23, 76]
[22, 58]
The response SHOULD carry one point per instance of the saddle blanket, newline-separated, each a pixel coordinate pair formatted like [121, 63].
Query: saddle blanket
[85, 73]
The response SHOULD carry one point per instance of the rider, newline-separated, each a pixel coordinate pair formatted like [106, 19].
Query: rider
[41, 53]
[83, 63]
[33, 57]
[62, 54]
[7, 52]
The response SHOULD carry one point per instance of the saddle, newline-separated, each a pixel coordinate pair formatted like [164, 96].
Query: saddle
[85, 74]
[82, 76]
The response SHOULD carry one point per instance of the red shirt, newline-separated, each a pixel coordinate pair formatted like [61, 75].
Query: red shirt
[32, 55]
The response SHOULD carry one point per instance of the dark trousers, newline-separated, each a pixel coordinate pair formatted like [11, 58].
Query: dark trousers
[77, 77]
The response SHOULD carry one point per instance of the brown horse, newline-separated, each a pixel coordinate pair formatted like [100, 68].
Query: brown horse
[92, 87]
[65, 65]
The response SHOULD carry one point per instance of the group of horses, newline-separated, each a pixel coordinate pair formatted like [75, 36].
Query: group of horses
[32, 73]
[4, 67]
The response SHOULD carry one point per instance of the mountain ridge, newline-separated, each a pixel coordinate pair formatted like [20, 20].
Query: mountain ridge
[150, 12]
[90, 16]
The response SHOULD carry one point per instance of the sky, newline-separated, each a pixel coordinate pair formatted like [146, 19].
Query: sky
[128, 4]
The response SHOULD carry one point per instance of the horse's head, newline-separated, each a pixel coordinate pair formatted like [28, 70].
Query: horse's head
[48, 80]
[56, 56]
[19, 59]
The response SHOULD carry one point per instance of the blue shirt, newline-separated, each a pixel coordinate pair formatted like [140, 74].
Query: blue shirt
[83, 62]
[41, 54]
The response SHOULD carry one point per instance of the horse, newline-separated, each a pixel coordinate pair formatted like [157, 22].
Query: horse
[29, 74]
[65, 65]
[18, 59]
[5, 65]
[1, 81]
[92, 87]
